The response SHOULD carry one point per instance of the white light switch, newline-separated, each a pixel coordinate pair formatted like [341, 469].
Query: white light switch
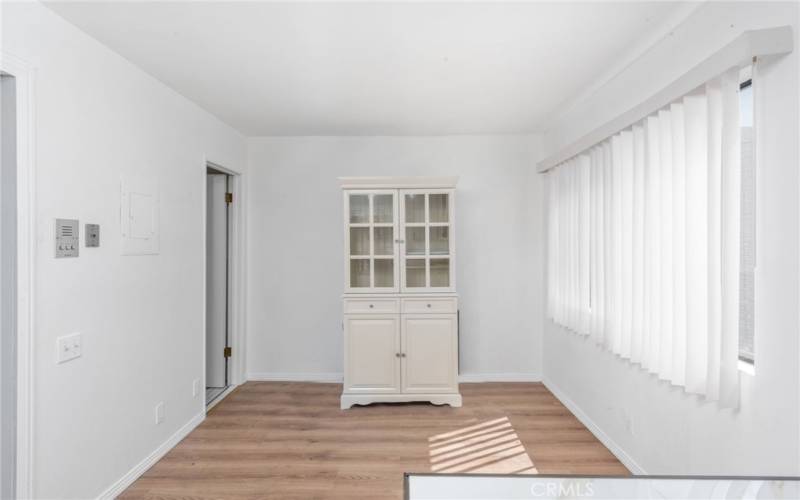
[68, 347]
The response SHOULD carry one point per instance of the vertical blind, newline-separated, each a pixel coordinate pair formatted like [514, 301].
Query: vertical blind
[644, 251]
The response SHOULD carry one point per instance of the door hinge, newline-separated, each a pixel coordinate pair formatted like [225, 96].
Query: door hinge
[227, 352]
[229, 198]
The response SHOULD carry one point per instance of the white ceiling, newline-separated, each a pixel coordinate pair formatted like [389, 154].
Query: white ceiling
[404, 68]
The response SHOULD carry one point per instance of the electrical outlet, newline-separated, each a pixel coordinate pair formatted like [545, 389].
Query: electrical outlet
[68, 347]
[160, 412]
[195, 387]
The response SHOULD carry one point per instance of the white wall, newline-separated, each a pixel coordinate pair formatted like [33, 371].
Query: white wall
[661, 429]
[295, 247]
[97, 118]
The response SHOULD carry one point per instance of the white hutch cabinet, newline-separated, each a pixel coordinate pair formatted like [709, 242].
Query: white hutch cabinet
[400, 303]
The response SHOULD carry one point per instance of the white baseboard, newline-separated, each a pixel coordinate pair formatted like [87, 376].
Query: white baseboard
[117, 488]
[331, 377]
[499, 377]
[604, 438]
[338, 377]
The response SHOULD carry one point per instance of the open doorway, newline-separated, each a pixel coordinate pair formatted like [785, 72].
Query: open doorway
[218, 244]
[8, 287]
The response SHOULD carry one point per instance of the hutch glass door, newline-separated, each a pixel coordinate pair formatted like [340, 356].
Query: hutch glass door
[427, 252]
[370, 241]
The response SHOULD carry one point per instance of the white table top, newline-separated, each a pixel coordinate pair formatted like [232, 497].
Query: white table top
[515, 487]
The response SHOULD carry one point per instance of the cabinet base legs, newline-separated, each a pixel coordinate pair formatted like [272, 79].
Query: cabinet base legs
[348, 400]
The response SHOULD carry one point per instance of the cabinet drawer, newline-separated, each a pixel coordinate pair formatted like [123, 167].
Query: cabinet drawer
[434, 305]
[371, 306]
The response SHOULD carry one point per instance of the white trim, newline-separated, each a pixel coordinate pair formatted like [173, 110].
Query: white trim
[742, 50]
[237, 273]
[595, 429]
[25, 76]
[336, 377]
[217, 400]
[470, 378]
[397, 182]
[132, 475]
[322, 377]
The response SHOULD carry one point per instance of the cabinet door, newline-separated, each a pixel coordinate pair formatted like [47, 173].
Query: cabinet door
[427, 255]
[430, 348]
[371, 354]
[371, 241]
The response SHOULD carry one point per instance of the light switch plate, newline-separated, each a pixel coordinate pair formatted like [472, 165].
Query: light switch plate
[67, 243]
[68, 347]
[92, 235]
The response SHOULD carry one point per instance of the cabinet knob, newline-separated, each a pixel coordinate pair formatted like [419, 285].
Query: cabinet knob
[429, 306]
[371, 306]
[403, 355]
[397, 355]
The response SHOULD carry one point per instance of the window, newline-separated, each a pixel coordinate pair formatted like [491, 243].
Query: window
[748, 240]
[647, 243]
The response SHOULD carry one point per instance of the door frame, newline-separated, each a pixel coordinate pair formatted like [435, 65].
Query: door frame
[236, 278]
[25, 77]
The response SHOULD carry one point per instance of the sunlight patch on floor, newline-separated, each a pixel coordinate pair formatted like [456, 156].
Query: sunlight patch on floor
[491, 447]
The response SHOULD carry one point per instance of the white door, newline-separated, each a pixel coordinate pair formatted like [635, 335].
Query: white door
[216, 281]
[8, 290]
[372, 354]
[371, 241]
[427, 231]
[430, 353]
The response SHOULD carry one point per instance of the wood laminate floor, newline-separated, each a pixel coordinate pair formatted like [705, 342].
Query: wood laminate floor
[284, 440]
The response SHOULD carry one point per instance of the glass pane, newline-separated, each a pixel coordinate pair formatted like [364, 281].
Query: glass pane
[415, 241]
[384, 272]
[415, 273]
[359, 273]
[359, 241]
[384, 241]
[440, 272]
[383, 208]
[359, 208]
[415, 208]
[438, 206]
[440, 240]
